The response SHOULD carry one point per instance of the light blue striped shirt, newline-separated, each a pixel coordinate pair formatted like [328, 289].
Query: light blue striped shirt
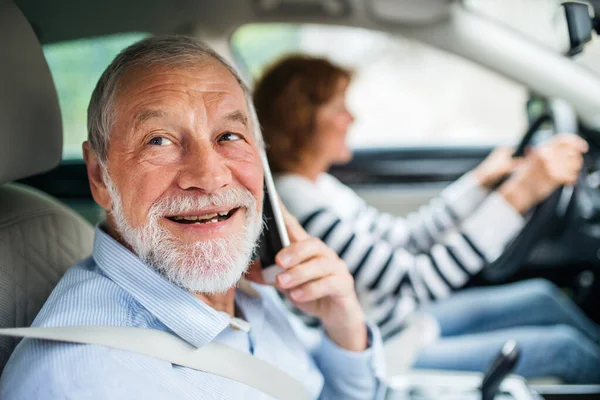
[113, 287]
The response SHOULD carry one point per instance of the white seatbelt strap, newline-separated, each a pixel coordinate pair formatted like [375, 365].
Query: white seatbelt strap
[213, 358]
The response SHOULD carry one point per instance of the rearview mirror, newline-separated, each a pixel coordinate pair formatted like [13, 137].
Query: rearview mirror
[580, 24]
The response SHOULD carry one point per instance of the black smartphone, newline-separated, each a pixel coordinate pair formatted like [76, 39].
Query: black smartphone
[274, 236]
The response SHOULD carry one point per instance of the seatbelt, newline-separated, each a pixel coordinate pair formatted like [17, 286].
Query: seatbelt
[213, 358]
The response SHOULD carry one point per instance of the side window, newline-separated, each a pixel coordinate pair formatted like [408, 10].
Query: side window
[404, 93]
[76, 67]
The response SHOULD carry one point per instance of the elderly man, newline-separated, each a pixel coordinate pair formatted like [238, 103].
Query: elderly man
[173, 156]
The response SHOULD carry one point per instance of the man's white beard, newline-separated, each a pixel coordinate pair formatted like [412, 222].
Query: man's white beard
[207, 267]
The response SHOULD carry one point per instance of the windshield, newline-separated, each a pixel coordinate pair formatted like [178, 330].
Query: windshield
[403, 93]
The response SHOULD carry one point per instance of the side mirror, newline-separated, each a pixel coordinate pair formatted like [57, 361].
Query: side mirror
[580, 24]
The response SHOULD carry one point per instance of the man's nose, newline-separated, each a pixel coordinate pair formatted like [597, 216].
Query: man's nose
[204, 169]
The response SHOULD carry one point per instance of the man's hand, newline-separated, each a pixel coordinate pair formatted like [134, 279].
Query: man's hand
[318, 282]
[499, 164]
[545, 168]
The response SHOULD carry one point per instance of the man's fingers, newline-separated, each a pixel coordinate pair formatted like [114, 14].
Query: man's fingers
[317, 289]
[310, 270]
[298, 252]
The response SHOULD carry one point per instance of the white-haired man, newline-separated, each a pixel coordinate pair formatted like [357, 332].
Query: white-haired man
[173, 156]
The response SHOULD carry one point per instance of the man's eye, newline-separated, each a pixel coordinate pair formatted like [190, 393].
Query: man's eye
[229, 137]
[159, 141]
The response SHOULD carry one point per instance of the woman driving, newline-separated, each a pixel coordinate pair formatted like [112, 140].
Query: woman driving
[420, 263]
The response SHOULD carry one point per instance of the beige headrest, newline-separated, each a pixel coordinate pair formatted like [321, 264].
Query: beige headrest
[30, 121]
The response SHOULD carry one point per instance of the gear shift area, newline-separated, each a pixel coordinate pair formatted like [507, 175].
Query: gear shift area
[504, 363]
[495, 384]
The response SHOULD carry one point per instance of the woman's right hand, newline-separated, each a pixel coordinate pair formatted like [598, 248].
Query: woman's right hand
[545, 168]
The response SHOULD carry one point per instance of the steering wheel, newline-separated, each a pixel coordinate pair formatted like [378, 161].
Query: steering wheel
[545, 217]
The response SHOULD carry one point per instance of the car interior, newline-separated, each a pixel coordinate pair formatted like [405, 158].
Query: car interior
[512, 74]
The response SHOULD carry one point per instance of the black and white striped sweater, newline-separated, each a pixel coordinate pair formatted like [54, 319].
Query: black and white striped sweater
[399, 264]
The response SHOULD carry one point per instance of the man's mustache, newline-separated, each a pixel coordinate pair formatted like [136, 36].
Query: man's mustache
[231, 198]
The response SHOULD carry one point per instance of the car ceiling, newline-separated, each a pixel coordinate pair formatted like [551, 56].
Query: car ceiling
[59, 20]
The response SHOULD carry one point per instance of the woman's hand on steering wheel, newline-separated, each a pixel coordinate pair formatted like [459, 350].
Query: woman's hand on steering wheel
[544, 169]
[498, 165]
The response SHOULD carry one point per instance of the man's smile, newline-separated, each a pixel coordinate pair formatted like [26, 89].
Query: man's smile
[205, 217]
[206, 224]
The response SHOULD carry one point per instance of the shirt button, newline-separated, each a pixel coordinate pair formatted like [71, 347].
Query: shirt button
[239, 324]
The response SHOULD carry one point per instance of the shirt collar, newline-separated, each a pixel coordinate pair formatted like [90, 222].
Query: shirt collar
[185, 315]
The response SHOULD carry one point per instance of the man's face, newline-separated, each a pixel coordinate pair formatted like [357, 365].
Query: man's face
[184, 184]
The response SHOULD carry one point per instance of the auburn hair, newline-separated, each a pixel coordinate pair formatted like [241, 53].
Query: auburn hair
[287, 98]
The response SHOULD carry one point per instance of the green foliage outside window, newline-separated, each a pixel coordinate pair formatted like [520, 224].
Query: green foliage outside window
[258, 45]
[76, 67]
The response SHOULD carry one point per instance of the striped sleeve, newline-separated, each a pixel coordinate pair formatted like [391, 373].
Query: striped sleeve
[398, 280]
[423, 228]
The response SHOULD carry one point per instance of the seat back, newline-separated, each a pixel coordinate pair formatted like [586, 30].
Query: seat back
[39, 237]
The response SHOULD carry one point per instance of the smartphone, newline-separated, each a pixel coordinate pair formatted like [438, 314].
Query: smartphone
[274, 236]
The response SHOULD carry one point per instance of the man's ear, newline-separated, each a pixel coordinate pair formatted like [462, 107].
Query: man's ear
[96, 177]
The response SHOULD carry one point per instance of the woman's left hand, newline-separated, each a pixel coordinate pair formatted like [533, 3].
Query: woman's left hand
[496, 166]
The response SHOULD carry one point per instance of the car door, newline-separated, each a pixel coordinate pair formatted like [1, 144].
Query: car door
[400, 180]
